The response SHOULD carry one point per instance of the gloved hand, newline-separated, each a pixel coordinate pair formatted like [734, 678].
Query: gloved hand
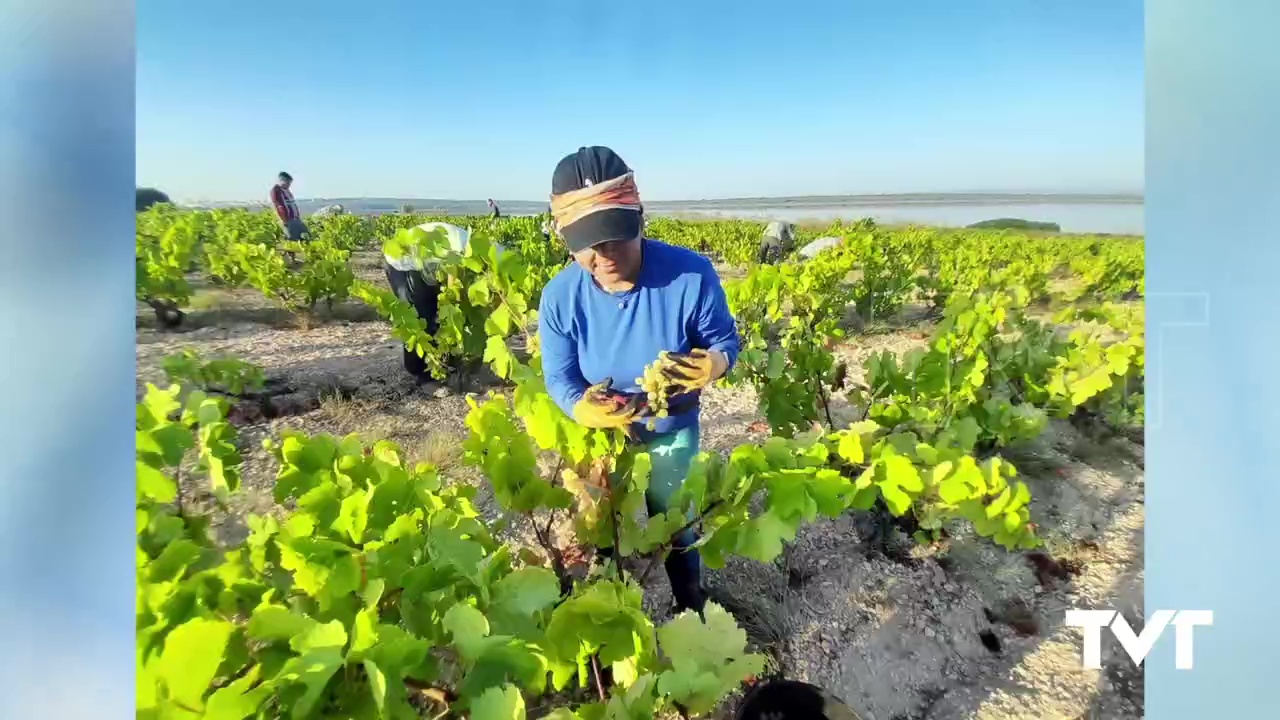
[693, 370]
[599, 409]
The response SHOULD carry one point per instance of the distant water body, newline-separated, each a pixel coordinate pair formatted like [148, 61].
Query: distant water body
[1110, 218]
[1119, 215]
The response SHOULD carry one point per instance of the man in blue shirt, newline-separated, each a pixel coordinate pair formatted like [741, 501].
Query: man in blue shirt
[624, 302]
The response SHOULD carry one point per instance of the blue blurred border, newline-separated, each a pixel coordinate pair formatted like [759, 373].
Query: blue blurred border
[66, 390]
[1213, 264]
[66, 482]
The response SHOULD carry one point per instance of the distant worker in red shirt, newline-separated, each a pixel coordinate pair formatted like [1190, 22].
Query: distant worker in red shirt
[287, 209]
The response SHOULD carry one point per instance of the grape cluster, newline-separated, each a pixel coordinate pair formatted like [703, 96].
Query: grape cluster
[655, 386]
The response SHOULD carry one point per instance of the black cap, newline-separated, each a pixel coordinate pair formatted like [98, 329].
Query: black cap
[588, 166]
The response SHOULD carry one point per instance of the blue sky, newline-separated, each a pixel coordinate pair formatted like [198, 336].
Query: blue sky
[702, 98]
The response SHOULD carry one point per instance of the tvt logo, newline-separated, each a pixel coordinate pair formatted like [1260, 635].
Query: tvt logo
[1138, 645]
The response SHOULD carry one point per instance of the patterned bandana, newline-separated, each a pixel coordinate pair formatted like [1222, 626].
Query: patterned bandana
[620, 193]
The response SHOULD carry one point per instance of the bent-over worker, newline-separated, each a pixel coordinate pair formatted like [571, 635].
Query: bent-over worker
[413, 280]
[777, 241]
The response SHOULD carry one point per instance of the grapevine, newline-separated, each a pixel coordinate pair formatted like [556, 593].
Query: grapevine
[228, 376]
[382, 588]
[165, 247]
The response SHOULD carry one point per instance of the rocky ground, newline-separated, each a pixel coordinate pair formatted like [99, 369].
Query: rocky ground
[962, 631]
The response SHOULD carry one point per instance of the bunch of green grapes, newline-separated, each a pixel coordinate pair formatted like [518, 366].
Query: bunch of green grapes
[655, 385]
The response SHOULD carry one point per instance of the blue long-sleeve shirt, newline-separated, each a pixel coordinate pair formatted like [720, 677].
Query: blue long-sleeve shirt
[588, 334]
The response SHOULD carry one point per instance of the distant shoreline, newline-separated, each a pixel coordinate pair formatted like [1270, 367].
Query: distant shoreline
[905, 199]
[793, 202]
[1115, 214]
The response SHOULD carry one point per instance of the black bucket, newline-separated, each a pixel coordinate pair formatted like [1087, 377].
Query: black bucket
[792, 700]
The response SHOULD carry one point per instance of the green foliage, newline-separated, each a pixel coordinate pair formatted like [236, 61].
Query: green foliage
[1016, 224]
[1102, 367]
[1110, 271]
[234, 244]
[382, 585]
[386, 226]
[939, 482]
[323, 273]
[991, 375]
[542, 258]
[885, 268]
[345, 232]
[708, 659]
[731, 241]
[225, 375]
[886, 264]
[788, 319]
[499, 445]
[967, 383]
[960, 263]
[165, 249]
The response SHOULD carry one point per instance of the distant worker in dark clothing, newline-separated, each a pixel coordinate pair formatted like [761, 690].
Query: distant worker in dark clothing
[494, 212]
[779, 237]
[287, 209]
[546, 225]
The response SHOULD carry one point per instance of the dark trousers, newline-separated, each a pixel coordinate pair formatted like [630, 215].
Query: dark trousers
[684, 571]
[412, 287]
[671, 455]
[295, 230]
[770, 251]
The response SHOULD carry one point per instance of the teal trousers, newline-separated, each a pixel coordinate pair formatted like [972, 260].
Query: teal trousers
[671, 455]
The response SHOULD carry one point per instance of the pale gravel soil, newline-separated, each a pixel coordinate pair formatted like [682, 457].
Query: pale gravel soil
[897, 640]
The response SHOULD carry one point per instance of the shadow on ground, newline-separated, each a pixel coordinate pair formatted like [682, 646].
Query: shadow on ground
[967, 630]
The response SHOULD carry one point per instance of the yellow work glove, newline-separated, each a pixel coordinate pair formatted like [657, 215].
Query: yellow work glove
[599, 409]
[693, 370]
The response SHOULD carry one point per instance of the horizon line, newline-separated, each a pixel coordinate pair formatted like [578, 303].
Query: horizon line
[1131, 196]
